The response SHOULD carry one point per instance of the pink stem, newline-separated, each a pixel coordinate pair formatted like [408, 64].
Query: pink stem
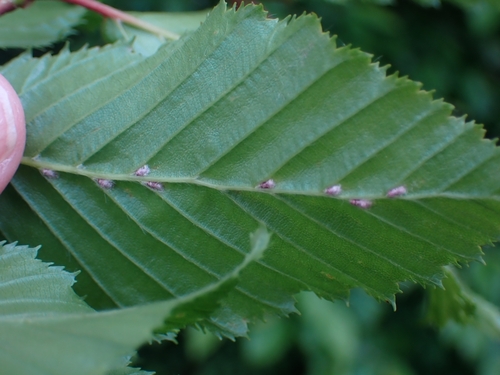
[9, 5]
[111, 12]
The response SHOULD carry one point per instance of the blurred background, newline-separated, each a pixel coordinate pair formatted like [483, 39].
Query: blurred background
[451, 47]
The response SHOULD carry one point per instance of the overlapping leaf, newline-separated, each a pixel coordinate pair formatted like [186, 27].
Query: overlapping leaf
[42, 23]
[47, 329]
[243, 100]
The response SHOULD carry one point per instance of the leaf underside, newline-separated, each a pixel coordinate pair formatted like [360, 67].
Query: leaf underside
[243, 100]
[40, 24]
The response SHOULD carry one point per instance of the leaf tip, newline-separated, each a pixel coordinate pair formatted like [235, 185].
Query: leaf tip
[392, 301]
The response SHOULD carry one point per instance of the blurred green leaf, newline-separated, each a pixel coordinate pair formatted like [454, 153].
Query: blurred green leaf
[476, 348]
[452, 302]
[466, 4]
[485, 280]
[40, 24]
[337, 339]
[457, 302]
[147, 43]
[268, 343]
[200, 345]
[330, 336]
[493, 5]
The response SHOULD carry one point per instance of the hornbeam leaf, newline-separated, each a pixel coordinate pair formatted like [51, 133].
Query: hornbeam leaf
[47, 329]
[40, 24]
[364, 179]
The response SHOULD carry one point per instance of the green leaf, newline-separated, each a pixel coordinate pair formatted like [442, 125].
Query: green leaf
[145, 42]
[47, 329]
[40, 24]
[242, 100]
[31, 289]
[457, 302]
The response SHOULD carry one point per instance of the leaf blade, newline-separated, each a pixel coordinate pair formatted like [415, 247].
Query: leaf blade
[340, 121]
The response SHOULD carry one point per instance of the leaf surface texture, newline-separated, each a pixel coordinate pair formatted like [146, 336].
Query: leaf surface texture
[244, 100]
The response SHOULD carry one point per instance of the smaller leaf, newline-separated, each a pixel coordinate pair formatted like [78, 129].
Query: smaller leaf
[41, 319]
[40, 24]
[457, 302]
[145, 42]
[30, 288]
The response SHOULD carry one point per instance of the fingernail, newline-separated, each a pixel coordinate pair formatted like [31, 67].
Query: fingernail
[8, 129]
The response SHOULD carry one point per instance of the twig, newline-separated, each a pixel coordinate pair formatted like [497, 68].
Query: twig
[111, 12]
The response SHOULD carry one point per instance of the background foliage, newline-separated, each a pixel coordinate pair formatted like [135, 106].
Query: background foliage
[453, 49]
